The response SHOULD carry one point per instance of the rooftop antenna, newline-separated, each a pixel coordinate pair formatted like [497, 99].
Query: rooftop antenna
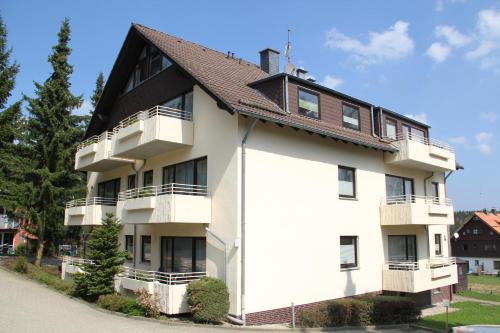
[288, 47]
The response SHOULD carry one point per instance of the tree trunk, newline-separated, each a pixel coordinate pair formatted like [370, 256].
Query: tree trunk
[39, 248]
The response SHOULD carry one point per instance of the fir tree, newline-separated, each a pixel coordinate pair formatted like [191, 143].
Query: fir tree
[11, 129]
[99, 86]
[104, 251]
[53, 134]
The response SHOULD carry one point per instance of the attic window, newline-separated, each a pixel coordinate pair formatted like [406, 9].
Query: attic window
[149, 63]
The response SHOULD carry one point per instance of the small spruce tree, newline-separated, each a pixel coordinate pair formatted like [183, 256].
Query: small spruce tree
[104, 250]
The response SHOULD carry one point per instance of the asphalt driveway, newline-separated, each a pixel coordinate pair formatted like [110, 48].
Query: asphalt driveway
[26, 306]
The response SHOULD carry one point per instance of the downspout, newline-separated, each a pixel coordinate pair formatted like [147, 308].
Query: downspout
[243, 222]
[426, 226]
[137, 166]
[287, 108]
[382, 134]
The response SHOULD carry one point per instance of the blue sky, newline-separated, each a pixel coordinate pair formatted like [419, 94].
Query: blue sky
[437, 60]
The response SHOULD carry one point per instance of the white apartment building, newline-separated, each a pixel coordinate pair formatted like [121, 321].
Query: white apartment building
[286, 189]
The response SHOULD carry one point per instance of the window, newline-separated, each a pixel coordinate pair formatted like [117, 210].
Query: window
[476, 231]
[129, 245]
[390, 129]
[437, 244]
[465, 247]
[417, 133]
[130, 182]
[350, 117]
[490, 247]
[347, 182]
[191, 172]
[398, 189]
[308, 104]
[149, 63]
[348, 251]
[406, 130]
[183, 254]
[109, 189]
[183, 102]
[476, 262]
[496, 264]
[147, 179]
[435, 192]
[146, 248]
[402, 248]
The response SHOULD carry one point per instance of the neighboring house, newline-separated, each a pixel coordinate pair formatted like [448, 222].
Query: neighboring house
[288, 190]
[478, 243]
[12, 234]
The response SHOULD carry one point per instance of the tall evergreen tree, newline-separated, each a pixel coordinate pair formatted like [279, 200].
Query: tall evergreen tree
[11, 128]
[53, 134]
[96, 95]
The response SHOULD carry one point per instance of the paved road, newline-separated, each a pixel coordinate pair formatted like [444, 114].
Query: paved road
[26, 306]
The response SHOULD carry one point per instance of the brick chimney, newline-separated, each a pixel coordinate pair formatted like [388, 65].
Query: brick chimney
[270, 61]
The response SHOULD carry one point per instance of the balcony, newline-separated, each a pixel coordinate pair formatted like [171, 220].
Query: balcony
[8, 223]
[94, 154]
[416, 210]
[421, 153]
[414, 277]
[168, 203]
[88, 211]
[151, 132]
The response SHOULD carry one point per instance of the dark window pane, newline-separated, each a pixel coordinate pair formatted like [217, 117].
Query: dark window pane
[350, 117]
[148, 178]
[165, 62]
[131, 182]
[184, 173]
[167, 254]
[346, 182]
[188, 102]
[168, 175]
[183, 255]
[146, 248]
[200, 255]
[390, 127]
[308, 104]
[201, 172]
[174, 103]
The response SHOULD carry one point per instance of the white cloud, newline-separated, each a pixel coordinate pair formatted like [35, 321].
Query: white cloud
[394, 43]
[487, 39]
[489, 116]
[440, 4]
[84, 109]
[438, 52]
[452, 35]
[483, 142]
[458, 140]
[421, 117]
[331, 81]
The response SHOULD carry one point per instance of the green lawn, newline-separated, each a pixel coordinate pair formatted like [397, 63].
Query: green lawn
[484, 279]
[481, 296]
[469, 313]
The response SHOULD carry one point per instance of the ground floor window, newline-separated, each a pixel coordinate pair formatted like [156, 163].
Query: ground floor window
[183, 254]
[437, 244]
[146, 248]
[496, 264]
[348, 251]
[402, 248]
[129, 246]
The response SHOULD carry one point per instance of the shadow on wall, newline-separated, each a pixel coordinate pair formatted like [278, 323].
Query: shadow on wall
[350, 286]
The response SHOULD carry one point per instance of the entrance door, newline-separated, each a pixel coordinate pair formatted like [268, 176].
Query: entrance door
[403, 248]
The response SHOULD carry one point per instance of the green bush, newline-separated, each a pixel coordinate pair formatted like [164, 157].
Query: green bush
[120, 303]
[21, 250]
[393, 310]
[208, 300]
[316, 316]
[360, 312]
[21, 265]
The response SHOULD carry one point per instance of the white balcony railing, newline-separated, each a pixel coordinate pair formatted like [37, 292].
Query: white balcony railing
[161, 277]
[94, 201]
[154, 111]
[76, 261]
[421, 139]
[431, 263]
[107, 135]
[405, 199]
[172, 188]
[8, 223]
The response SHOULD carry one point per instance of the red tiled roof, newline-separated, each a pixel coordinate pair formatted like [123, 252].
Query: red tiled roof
[493, 220]
[228, 79]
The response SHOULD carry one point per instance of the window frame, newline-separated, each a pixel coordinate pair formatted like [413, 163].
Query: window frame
[404, 179]
[195, 169]
[117, 187]
[391, 120]
[163, 240]
[496, 264]
[143, 257]
[344, 267]
[359, 116]
[127, 249]
[183, 95]
[307, 91]
[144, 178]
[438, 241]
[407, 243]
[345, 196]
[129, 178]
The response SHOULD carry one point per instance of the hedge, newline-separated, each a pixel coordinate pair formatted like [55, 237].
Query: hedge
[363, 311]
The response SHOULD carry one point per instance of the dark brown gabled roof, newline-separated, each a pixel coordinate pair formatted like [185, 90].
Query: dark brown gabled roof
[228, 80]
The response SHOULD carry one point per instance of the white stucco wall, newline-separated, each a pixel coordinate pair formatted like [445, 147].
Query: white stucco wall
[487, 263]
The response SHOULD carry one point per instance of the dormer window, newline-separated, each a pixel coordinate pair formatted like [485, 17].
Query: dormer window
[350, 117]
[308, 104]
[149, 63]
